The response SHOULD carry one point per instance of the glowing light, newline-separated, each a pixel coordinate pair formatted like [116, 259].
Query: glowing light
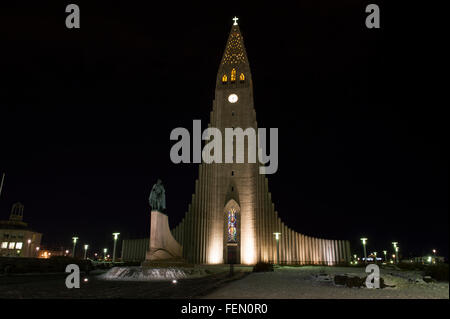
[232, 98]
[233, 75]
[74, 239]
[277, 235]
[85, 280]
[86, 247]
[364, 240]
[116, 235]
[174, 281]
[235, 19]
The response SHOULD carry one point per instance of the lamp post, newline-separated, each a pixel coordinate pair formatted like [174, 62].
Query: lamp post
[74, 245]
[277, 237]
[29, 243]
[385, 254]
[364, 241]
[394, 243]
[116, 236]
[37, 252]
[85, 250]
[105, 250]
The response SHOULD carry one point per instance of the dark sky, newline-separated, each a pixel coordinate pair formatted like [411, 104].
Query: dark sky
[86, 115]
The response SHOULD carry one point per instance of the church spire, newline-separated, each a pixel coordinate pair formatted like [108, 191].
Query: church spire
[234, 67]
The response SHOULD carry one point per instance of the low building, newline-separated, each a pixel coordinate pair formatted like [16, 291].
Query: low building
[17, 239]
[48, 253]
[428, 259]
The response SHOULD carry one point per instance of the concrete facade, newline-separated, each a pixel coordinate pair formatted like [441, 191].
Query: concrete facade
[162, 244]
[239, 187]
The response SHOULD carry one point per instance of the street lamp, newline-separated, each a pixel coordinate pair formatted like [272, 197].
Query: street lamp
[116, 236]
[396, 254]
[394, 243]
[74, 244]
[385, 254]
[364, 241]
[277, 237]
[29, 252]
[105, 250]
[85, 250]
[37, 251]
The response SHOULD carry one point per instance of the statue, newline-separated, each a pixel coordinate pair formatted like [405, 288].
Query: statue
[157, 197]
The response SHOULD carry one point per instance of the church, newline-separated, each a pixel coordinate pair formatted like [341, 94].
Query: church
[232, 218]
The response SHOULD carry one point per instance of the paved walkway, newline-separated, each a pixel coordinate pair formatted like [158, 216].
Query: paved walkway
[305, 283]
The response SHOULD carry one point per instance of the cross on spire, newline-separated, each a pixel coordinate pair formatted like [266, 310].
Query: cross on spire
[235, 20]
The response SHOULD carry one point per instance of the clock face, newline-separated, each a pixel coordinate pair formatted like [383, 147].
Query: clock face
[232, 98]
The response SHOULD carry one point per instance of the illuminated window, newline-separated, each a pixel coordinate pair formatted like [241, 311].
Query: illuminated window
[242, 77]
[19, 245]
[233, 75]
[224, 78]
[232, 226]
[4, 245]
[11, 245]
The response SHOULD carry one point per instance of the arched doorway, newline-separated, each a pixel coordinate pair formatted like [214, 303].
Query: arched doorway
[232, 248]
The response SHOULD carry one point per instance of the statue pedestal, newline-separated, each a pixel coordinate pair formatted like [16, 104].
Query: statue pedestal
[163, 247]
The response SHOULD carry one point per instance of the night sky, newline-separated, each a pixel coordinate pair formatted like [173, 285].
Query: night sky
[85, 116]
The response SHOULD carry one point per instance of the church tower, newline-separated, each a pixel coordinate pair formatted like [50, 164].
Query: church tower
[235, 213]
[231, 218]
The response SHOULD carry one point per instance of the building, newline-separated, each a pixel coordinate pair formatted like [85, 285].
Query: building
[232, 218]
[134, 250]
[16, 238]
[430, 259]
[46, 253]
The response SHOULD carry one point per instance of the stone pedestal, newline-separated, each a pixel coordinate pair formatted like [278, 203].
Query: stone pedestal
[163, 247]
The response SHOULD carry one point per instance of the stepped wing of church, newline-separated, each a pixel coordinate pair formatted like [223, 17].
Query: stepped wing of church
[232, 218]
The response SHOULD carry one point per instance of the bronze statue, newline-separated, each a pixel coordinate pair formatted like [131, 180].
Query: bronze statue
[157, 197]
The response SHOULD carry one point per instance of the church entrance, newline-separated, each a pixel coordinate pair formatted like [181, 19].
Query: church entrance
[232, 233]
